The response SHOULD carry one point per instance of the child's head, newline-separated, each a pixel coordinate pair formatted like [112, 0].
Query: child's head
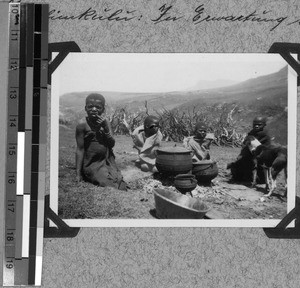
[94, 105]
[151, 125]
[259, 123]
[200, 130]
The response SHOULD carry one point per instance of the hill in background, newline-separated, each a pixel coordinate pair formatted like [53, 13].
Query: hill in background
[265, 95]
[204, 84]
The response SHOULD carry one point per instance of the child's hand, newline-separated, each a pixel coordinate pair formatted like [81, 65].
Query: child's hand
[210, 136]
[102, 122]
[100, 119]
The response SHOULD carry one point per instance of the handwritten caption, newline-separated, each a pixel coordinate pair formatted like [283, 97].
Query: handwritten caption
[168, 13]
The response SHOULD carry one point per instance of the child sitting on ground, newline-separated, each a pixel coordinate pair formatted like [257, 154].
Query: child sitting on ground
[200, 143]
[146, 139]
[95, 160]
[259, 131]
[242, 168]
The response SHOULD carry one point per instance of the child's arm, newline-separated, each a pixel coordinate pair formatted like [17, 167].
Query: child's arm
[126, 124]
[80, 130]
[208, 140]
[264, 138]
[137, 138]
[105, 128]
[109, 139]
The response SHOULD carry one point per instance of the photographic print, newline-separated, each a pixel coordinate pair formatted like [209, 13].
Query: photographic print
[181, 139]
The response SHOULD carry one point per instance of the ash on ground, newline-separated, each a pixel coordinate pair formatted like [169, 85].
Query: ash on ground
[231, 200]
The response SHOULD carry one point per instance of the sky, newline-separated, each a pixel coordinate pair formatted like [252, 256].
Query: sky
[157, 72]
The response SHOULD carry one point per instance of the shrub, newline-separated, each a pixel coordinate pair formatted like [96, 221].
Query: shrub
[177, 124]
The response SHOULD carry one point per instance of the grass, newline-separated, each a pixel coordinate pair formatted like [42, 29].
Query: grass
[87, 201]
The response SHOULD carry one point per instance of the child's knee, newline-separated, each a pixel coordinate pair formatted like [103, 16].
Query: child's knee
[145, 167]
[154, 169]
[148, 168]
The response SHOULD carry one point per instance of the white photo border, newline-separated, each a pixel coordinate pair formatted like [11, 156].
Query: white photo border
[261, 223]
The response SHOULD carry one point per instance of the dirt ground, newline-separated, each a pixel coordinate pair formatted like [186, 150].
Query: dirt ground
[227, 200]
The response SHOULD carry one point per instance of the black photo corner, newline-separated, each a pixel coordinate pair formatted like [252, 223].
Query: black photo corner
[62, 230]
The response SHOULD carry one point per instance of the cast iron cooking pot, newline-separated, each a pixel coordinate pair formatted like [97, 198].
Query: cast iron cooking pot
[173, 160]
[185, 182]
[205, 170]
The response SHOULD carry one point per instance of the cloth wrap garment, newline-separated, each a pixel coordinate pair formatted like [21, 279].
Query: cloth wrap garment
[262, 136]
[99, 166]
[147, 145]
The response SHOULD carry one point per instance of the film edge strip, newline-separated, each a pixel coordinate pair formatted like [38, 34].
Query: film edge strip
[38, 141]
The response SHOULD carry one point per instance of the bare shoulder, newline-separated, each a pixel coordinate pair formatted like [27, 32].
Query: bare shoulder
[81, 126]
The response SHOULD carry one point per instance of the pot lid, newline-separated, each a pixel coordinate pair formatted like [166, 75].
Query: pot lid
[172, 150]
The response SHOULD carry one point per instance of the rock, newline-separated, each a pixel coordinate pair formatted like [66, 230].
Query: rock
[219, 201]
[194, 192]
[233, 186]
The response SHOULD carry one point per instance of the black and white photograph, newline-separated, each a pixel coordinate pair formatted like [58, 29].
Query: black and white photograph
[173, 139]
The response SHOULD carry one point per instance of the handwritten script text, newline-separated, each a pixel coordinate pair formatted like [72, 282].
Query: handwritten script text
[167, 13]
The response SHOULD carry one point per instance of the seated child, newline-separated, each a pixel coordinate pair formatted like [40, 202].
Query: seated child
[259, 131]
[95, 160]
[146, 139]
[199, 143]
[242, 168]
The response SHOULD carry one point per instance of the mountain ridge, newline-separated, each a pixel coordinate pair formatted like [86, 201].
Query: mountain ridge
[264, 95]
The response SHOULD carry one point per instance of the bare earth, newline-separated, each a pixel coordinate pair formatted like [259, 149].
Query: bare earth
[228, 200]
